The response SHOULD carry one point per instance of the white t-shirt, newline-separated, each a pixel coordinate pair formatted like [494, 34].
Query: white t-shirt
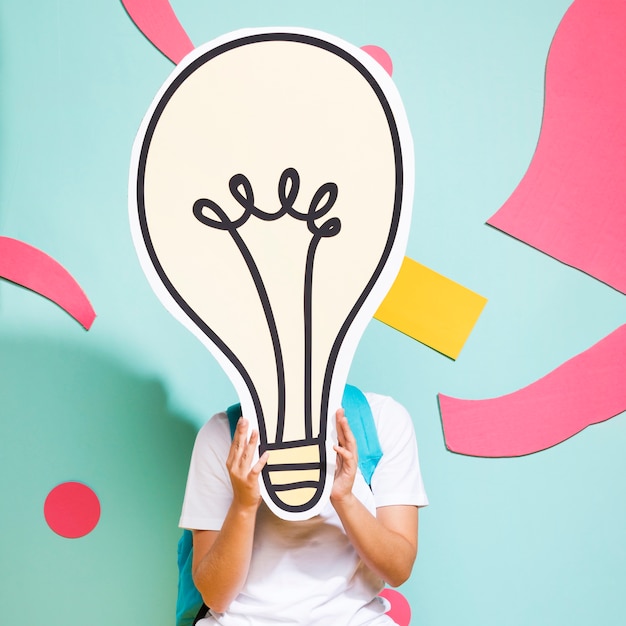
[305, 572]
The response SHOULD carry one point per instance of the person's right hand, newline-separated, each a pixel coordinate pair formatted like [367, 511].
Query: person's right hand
[244, 476]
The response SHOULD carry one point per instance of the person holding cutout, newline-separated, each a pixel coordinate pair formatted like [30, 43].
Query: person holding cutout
[255, 569]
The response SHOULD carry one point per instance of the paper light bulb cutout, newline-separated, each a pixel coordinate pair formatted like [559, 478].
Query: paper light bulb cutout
[270, 194]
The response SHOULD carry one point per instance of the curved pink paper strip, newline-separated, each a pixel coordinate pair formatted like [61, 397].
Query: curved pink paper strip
[35, 270]
[571, 204]
[381, 55]
[587, 389]
[400, 611]
[158, 22]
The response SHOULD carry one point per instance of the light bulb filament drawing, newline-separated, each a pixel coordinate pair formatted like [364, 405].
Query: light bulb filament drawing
[211, 214]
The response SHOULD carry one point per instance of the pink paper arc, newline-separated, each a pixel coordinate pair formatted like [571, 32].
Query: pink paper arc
[380, 55]
[400, 611]
[570, 203]
[158, 22]
[587, 389]
[31, 268]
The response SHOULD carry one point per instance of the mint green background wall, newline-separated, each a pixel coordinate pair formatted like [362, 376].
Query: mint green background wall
[536, 540]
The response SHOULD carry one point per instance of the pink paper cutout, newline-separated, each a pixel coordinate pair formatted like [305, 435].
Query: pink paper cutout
[380, 55]
[588, 389]
[158, 22]
[571, 204]
[72, 510]
[400, 611]
[35, 270]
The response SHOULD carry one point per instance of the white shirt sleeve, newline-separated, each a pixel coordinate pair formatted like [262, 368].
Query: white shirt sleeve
[397, 479]
[209, 492]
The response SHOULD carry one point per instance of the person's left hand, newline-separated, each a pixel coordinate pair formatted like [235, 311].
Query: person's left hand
[347, 459]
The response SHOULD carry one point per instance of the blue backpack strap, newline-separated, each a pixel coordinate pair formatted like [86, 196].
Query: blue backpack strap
[234, 413]
[189, 604]
[188, 601]
[363, 427]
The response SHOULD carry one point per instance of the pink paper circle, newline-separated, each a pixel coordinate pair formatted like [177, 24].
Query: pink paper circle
[72, 510]
[400, 611]
[381, 56]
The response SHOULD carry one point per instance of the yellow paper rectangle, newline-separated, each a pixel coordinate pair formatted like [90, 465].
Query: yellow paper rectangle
[431, 308]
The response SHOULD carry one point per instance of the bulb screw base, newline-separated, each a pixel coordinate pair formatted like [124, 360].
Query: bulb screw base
[294, 474]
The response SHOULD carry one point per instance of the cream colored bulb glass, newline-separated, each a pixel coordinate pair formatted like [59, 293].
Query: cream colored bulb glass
[270, 194]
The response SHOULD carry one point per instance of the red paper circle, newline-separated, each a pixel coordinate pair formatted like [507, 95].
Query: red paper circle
[400, 611]
[72, 510]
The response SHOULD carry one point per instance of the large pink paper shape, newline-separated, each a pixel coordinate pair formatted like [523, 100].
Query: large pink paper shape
[35, 270]
[158, 22]
[587, 389]
[571, 204]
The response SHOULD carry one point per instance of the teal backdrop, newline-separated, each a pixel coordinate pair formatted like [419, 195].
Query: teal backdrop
[537, 540]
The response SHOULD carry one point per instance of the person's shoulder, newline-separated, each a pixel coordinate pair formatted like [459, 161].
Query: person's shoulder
[392, 420]
[215, 428]
[397, 478]
[386, 408]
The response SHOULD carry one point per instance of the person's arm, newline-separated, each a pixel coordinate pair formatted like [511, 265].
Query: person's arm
[221, 559]
[387, 542]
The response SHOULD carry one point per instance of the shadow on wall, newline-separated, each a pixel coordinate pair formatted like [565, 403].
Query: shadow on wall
[69, 414]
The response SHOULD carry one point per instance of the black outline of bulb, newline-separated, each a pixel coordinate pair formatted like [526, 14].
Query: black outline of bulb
[238, 182]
